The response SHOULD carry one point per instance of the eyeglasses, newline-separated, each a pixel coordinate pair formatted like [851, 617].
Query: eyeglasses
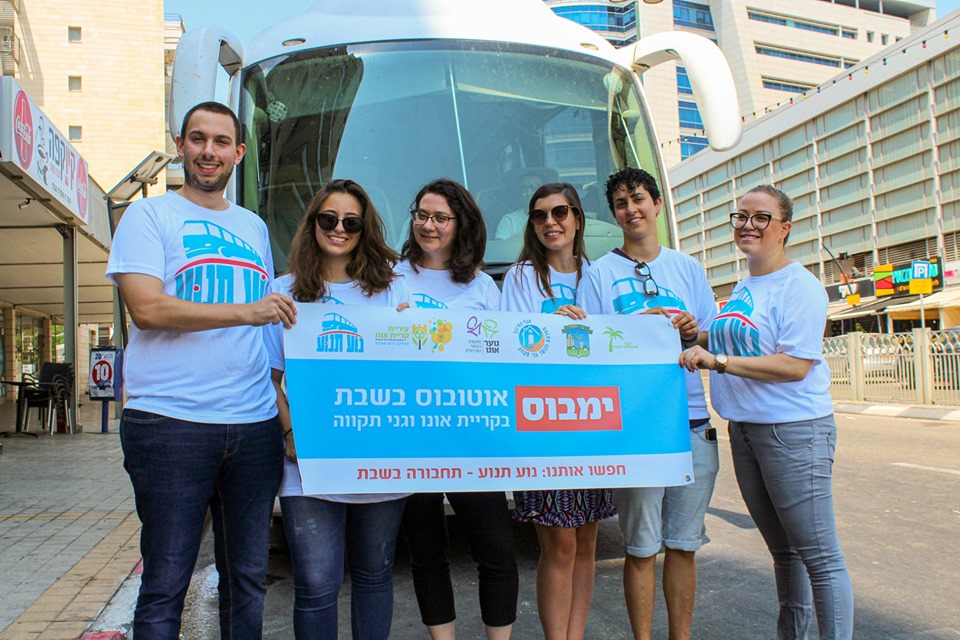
[760, 221]
[440, 220]
[642, 269]
[329, 222]
[559, 214]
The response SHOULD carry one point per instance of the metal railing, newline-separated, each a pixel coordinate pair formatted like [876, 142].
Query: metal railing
[921, 367]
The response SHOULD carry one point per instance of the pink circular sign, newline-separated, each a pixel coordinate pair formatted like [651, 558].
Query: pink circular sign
[23, 129]
[82, 188]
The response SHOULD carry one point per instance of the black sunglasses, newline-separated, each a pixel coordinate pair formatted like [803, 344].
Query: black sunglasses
[559, 214]
[650, 288]
[329, 222]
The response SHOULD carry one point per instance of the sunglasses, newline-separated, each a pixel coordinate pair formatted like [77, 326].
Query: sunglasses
[329, 222]
[559, 213]
[650, 288]
[760, 221]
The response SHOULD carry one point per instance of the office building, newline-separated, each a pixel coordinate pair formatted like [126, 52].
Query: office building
[777, 49]
[871, 159]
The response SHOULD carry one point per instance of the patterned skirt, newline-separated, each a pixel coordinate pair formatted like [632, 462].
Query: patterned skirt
[563, 507]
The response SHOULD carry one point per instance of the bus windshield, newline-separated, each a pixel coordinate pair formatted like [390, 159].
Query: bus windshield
[493, 116]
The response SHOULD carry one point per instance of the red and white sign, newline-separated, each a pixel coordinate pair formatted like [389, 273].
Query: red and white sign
[42, 152]
[23, 129]
[103, 374]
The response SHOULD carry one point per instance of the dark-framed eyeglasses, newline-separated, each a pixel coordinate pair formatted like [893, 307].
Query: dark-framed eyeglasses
[440, 220]
[650, 288]
[329, 222]
[759, 221]
[559, 213]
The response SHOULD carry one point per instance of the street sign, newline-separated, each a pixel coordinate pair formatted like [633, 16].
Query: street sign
[921, 287]
[106, 377]
[920, 270]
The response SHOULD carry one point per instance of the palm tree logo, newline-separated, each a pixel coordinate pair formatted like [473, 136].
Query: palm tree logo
[614, 334]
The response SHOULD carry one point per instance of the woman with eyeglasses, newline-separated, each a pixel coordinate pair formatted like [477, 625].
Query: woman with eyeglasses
[442, 260]
[338, 256]
[769, 379]
[545, 280]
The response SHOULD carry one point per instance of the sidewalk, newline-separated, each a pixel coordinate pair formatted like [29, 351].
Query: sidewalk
[69, 535]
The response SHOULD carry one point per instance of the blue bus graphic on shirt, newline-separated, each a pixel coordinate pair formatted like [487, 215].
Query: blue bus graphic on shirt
[563, 294]
[628, 297]
[221, 267]
[423, 301]
[732, 331]
[338, 335]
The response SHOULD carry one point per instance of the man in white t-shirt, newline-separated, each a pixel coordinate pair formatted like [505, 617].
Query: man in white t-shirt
[643, 277]
[200, 429]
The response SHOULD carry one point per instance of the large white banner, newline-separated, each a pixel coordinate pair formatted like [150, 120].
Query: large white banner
[444, 400]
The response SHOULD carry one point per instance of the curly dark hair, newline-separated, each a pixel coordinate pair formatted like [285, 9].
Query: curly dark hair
[470, 239]
[371, 264]
[533, 251]
[631, 178]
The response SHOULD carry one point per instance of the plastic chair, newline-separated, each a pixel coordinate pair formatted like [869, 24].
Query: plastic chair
[61, 399]
[41, 395]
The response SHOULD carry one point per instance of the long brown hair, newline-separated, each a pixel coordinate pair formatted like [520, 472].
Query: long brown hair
[371, 264]
[470, 240]
[533, 251]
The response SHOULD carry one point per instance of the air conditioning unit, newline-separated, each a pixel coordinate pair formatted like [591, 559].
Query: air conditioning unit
[8, 44]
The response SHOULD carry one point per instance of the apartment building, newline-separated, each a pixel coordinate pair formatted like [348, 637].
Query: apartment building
[777, 49]
[96, 68]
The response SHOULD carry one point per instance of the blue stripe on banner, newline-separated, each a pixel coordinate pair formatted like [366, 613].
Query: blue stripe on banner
[350, 409]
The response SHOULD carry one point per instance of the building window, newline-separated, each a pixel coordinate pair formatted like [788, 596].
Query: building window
[884, 39]
[689, 145]
[74, 83]
[693, 15]
[73, 34]
[801, 56]
[683, 82]
[785, 85]
[689, 115]
[869, 36]
[602, 19]
[75, 133]
[849, 34]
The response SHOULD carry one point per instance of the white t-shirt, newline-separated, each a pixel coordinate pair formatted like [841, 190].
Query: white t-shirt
[511, 224]
[611, 286]
[782, 312]
[435, 289]
[337, 293]
[521, 291]
[217, 376]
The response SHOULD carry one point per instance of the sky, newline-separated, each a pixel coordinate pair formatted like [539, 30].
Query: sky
[246, 18]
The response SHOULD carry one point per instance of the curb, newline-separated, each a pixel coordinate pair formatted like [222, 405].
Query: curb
[115, 621]
[899, 411]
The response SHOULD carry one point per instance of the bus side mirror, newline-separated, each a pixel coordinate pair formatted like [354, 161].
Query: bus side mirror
[194, 78]
[710, 79]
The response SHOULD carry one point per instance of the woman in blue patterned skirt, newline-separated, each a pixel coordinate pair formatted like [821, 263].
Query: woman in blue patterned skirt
[545, 280]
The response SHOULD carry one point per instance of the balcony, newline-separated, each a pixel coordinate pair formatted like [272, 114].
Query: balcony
[9, 10]
[9, 51]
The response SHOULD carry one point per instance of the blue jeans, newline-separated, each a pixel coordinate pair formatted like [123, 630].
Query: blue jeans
[784, 472]
[179, 469]
[319, 534]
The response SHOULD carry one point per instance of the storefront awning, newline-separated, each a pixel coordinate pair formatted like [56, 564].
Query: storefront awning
[939, 300]
[870, 308]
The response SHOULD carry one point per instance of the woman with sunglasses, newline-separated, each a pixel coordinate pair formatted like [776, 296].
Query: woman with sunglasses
[769, 379]
[545, 280]
[338, 256]
[441, 267]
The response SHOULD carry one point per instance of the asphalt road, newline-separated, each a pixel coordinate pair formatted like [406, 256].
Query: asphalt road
[897, 491]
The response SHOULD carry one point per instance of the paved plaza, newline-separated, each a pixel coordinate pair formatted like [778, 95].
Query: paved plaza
[69, 534]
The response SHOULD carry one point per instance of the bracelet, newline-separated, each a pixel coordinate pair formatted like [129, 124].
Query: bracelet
[686, 344]
[288, 432]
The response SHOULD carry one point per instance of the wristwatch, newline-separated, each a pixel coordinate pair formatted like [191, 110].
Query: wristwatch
[720, 365]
